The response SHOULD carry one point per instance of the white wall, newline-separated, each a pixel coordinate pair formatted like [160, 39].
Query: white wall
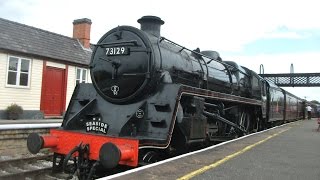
[28, 98]
[71, 84]
[56, 65]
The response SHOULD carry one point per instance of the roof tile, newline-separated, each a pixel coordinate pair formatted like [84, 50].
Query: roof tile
[26, 39]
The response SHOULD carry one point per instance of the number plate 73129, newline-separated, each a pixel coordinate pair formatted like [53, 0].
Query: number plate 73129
[117, 51]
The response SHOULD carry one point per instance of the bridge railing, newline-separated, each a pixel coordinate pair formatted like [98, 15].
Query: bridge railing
[294, 79]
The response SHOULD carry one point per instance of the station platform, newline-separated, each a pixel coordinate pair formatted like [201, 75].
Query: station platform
[291, 151]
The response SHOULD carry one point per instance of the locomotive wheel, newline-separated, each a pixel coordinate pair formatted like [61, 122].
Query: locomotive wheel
[151, 157]
[260, 125]
[245, 120]
[257, 125]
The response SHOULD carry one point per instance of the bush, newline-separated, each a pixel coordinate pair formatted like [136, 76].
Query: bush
[14, 111]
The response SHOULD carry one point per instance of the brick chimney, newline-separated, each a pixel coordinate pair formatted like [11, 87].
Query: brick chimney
[81, 31]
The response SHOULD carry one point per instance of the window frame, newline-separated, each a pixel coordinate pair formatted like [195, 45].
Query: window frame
[81, 75]
[19, 72]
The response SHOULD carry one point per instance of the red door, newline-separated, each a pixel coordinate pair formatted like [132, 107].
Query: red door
[53, 87]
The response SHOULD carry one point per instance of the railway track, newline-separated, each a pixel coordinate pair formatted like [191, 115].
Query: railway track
[29, 168]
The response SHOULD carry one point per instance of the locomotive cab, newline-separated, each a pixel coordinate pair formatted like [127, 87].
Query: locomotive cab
[240, 78]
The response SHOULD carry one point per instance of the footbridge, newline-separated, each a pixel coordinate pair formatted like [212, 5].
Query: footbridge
[292, 79]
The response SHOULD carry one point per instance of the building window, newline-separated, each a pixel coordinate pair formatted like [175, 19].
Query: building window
[81, 76]
[18, 73]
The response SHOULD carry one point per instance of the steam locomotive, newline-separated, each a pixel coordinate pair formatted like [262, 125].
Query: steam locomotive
[151, 98]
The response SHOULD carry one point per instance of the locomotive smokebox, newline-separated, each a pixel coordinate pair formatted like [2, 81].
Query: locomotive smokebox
[151, 24]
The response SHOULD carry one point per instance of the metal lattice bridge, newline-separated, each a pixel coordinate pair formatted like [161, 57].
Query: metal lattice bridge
[294, 79]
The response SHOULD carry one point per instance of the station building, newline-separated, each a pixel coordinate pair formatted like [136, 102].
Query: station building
[40, 69]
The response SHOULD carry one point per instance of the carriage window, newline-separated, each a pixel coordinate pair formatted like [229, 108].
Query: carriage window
[18, 72]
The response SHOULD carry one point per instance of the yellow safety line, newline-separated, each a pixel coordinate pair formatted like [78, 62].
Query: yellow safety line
[216, 164]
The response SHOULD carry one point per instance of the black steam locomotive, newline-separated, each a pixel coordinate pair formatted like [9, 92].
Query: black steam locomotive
[151, 98]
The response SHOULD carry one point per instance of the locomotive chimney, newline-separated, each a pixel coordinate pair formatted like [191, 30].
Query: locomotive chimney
[151, 24]
[81, 31]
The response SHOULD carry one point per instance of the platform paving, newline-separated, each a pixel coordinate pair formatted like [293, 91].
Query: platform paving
[294, 154]
[288, 152]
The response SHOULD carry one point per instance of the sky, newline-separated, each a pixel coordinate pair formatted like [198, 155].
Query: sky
[275, 33]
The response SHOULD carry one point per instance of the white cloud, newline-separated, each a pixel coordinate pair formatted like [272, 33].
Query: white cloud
[219, 25]
[280, 63]
[14, 9]
[225, 26]
[287, 35]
